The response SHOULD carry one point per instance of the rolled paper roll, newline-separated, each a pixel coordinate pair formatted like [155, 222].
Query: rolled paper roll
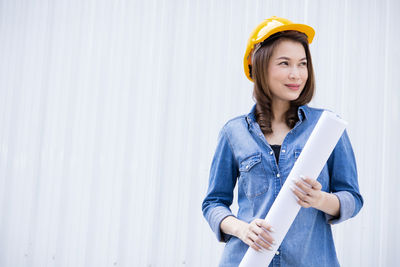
[312, 159]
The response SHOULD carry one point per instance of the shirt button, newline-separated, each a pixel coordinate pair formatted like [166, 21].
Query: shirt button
[247, 166]
[271, 152]
[278, 175]
[283, 150]
[277, 253]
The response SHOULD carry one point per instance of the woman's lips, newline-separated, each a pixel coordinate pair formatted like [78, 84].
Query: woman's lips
[294, 87]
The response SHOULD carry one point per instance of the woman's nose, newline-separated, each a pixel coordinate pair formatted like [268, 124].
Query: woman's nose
[294, 73]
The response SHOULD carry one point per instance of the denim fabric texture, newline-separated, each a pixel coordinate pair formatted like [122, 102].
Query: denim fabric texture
[244, 157]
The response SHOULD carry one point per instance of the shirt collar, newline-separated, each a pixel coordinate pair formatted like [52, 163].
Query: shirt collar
[251, 117]
[302, 112]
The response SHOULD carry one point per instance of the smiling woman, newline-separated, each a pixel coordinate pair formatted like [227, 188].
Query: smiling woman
[258, 150]
[287, 58]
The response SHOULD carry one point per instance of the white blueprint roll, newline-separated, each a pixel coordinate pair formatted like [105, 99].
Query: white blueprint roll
[312, 159]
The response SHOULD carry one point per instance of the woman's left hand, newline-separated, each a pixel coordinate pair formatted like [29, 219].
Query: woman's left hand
[312, 196]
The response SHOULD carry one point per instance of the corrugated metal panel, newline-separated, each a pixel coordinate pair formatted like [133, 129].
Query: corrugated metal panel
[110, 110]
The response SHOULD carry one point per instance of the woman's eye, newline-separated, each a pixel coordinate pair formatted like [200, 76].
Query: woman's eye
[303, 64]
[284, 63]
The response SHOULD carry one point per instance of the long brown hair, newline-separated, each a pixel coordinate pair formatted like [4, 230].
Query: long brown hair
[261, 92]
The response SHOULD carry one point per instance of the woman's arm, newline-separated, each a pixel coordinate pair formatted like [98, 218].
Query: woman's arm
[223, 172]
[345, 201]
[312, 196]
[330, 204]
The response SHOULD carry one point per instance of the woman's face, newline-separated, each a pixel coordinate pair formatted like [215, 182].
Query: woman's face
[287, 71]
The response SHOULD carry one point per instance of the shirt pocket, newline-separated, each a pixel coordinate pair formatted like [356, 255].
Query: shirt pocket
[253, 177]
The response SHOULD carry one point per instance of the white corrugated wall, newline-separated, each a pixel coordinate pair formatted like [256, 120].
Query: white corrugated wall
[110, 111]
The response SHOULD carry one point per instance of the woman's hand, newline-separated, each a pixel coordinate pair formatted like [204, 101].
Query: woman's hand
[312, 196]
[256, 234]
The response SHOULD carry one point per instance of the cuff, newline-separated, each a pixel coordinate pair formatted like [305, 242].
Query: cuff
[218, 214]
[347, 206]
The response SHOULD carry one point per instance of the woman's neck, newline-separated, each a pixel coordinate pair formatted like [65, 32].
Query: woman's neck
[279, 109]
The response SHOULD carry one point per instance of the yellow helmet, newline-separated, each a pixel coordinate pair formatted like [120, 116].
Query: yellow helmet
[268, 27]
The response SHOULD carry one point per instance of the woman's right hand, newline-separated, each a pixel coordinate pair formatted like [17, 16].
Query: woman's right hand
[256, 234]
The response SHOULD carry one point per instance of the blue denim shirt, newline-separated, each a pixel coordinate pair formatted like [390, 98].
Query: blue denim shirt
[243, 156]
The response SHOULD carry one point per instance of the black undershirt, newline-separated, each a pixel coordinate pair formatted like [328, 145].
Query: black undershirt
[277, 150]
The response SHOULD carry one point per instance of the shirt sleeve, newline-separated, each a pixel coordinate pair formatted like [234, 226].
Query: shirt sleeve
[222, 180]
[344, 180]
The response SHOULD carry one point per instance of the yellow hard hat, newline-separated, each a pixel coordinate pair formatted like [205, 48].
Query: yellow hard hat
[267, 28]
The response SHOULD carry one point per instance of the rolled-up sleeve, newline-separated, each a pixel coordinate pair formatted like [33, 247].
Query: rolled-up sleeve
[222, 180]
[344, 180]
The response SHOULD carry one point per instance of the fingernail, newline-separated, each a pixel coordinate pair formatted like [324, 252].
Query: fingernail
[302, 177]
[269, 248]
[271, 229]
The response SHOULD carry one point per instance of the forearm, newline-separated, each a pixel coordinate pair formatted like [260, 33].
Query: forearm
[329, 204]
[232, 226]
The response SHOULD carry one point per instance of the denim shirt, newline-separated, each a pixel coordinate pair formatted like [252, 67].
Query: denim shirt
[243, 156]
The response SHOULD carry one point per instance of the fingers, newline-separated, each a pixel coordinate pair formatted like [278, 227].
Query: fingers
[264, 224]
[308, 186]
[258, 242]
[311, 182]
[259, 237]
[304, 193]
[267, 237]
[307, 192]
[302, 199]
[249, 240]
[305, 188]
[303, 203]
[264, 233]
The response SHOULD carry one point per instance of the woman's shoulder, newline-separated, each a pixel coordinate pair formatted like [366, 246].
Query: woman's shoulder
[235, 122]
[241, 120]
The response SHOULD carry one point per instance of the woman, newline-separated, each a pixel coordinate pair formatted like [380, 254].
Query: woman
[259, 149]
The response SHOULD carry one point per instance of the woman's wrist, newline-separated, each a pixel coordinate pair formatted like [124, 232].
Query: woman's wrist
[329, 204]
[232, 226]
[321, 203]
